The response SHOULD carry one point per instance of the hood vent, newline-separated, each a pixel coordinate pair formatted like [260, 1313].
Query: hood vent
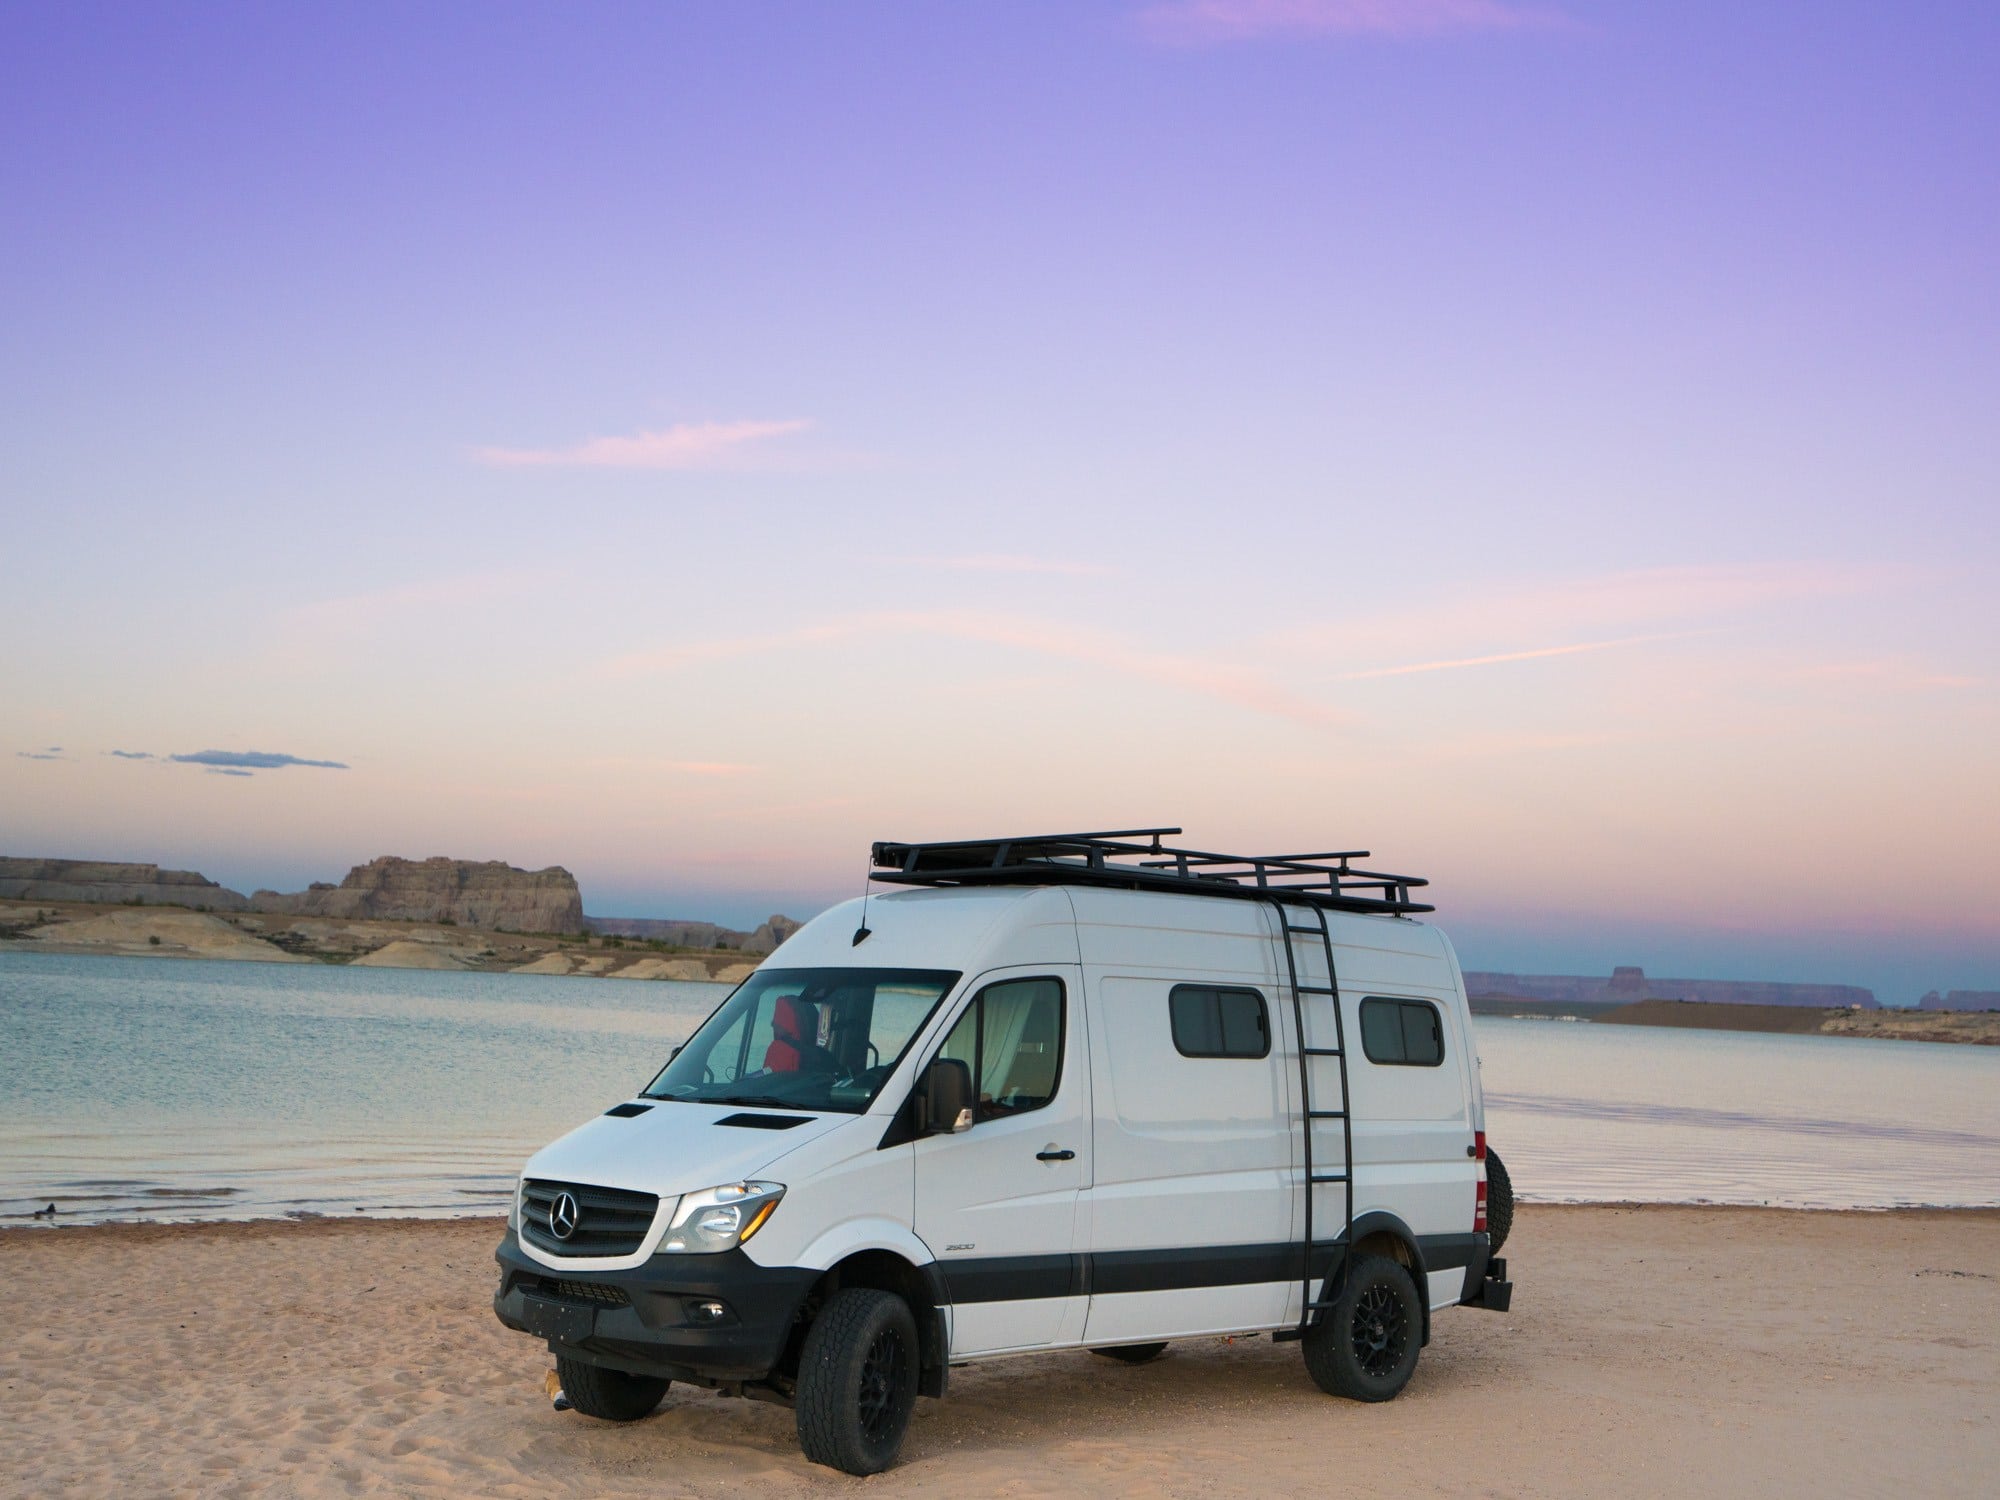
[766, 1122]
[627, 1111]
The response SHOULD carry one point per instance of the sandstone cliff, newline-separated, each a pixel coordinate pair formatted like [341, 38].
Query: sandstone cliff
[112, 884]
[697, 934]
[489, 894]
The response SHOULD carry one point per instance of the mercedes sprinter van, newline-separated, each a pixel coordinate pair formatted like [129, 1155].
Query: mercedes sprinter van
[1081, 1091]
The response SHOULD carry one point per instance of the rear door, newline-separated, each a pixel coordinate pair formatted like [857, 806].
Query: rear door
[998, 1204]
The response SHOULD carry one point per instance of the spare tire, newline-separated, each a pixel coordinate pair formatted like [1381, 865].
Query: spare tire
[1499, 1201]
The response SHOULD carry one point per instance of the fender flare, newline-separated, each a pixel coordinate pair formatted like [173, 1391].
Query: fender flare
[852, 1236]
[1381, 1221]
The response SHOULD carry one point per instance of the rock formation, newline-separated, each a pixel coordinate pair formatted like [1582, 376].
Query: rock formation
[470, 894]
[112, 884]
[1629, 984]
[697, 934]
[1961, 1000]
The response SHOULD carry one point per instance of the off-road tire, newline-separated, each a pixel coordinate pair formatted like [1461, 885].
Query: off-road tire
[1365, 1346]
[1132, 1354]
[609, 1395]
[857, 1381]
[1499, 1201]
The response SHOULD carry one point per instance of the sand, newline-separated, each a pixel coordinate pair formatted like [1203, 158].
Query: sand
[1681, 1351]
[404, 954]
[163, 933]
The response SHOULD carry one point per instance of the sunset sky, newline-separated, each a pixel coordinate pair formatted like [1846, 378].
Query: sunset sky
[1553, 445]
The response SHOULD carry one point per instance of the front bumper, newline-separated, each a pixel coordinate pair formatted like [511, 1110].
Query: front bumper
[645, 1320]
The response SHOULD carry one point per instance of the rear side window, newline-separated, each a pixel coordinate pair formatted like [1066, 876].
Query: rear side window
[1210, 1021]
[1409, 1033]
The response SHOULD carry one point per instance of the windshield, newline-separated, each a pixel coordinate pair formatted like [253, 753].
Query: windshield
[805, 1039]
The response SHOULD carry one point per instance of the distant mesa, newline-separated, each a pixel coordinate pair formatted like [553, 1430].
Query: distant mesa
[1628, 985]
[1961, 1000]
[469, 893]
[112, 884]
[765, 939]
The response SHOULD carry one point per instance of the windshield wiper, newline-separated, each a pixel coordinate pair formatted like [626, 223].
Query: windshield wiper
[763, 1101]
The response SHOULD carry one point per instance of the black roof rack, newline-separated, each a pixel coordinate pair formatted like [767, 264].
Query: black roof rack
[1113, 859]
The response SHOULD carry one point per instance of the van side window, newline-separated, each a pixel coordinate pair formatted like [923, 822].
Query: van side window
[1213, 1022]
[1405, 1032]
[1010, 1037]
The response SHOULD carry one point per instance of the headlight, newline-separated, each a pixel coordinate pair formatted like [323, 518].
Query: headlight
[720, 1218]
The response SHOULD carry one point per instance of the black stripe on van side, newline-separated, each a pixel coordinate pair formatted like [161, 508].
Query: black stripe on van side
[1019, 1278]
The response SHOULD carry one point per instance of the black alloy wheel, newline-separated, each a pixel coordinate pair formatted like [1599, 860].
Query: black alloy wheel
[1365, 1345]
[883, 1377]
[1380, 1333]
[857, 1381]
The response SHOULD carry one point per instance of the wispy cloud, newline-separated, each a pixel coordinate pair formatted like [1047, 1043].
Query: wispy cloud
[1692, 596]
[1536, 654]
[223, 770]
[51, 752]
[245, 761]
[387, 607]
[1199, 23]
[999, 562]
[133, 754]
[1224, 681]
[686, 445]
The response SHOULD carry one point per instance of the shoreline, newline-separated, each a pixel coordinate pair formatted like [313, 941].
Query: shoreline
[313, 1220]
[1649, 1350]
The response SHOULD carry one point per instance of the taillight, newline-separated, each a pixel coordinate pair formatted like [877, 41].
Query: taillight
[1479, 1145]
[1479, 1209]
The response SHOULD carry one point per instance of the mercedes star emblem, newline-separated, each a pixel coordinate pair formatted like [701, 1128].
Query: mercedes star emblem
[563, 1215]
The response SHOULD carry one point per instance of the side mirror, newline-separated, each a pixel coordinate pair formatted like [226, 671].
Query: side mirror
[947, 1096]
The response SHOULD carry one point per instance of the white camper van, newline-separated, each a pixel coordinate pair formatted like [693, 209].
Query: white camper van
[1084, 1091]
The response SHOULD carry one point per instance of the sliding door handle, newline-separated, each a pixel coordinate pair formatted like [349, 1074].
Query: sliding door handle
[1052, 1154]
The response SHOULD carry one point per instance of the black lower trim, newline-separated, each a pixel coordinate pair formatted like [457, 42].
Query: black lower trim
[1015, 1278]
[656, 1331]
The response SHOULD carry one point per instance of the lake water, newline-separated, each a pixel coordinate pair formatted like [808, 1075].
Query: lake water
[171, 1089]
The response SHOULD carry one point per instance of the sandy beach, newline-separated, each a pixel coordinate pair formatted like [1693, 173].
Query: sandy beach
[1650, 1350]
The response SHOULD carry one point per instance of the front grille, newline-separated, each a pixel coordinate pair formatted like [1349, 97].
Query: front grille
[610, 1221]
[594, 1292]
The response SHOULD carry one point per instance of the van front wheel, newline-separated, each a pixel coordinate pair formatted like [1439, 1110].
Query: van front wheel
[608, 1395]
[857, 1381]
[1365, 1346]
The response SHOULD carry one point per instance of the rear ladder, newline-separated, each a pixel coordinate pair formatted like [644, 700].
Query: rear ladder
[1314, 1001]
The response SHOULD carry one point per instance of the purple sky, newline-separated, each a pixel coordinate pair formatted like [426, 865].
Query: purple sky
[1550, 444]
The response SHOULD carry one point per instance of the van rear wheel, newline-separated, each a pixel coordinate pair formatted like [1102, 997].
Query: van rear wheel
[1365, 1346]
[609, 1395]
[1499, 1201]
[857, 1381]
[1133, 1354]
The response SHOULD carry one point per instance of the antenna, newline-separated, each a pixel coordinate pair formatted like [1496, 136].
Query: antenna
[862, 933]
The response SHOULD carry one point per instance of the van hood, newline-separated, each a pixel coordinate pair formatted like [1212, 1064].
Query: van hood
[675, 1147]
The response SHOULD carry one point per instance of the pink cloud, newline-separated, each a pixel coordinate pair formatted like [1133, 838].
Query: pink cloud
[1195, 23]
[1511, 656]
[1224, 681]
[686, 445]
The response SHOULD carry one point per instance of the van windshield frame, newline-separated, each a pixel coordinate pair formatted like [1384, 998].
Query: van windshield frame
[806, 1039]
